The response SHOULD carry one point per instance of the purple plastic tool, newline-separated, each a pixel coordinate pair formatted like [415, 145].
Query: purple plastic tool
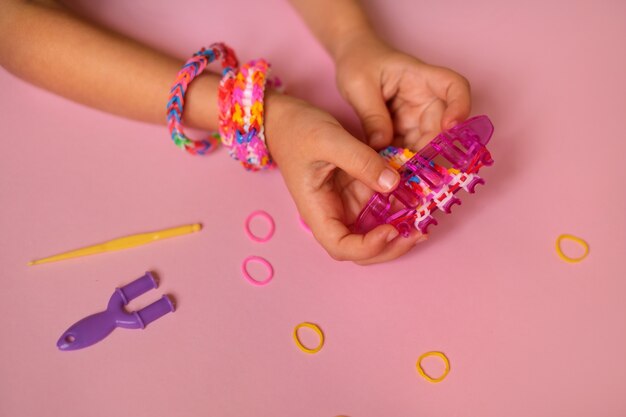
[426, 186]
[96, 327]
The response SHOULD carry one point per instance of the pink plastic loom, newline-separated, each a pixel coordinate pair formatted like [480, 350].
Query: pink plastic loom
[425, 184]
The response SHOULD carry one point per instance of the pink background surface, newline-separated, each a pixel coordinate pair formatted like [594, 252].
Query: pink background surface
[526, 334]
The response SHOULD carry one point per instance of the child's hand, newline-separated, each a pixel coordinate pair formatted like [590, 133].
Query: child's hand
[397, 97]
[331, 175]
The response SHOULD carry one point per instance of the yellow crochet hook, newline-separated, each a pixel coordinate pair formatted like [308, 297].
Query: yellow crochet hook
[122, 243]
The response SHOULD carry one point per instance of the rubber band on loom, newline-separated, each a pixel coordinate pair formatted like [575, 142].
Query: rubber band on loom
[266, 216]
[175, 104]
[423, 373]
[578, 240]
[317, 330]
[262, 261]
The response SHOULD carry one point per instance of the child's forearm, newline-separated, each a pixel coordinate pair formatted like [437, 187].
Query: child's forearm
[335, 23]
[52, 48]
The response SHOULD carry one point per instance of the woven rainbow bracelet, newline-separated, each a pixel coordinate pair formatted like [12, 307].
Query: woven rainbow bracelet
[245, 134]
[240, 102]
[192, 68]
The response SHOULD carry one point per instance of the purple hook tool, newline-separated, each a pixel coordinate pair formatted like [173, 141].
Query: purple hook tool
[96, 327]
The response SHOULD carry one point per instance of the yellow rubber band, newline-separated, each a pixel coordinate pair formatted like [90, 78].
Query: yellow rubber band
[317, 330]
[578, 240]
[423, 373]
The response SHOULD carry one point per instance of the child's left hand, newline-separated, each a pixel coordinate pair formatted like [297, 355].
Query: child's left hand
[399, 99]
[331, 175]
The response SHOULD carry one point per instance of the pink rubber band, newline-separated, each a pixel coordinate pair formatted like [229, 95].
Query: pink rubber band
[304, 225]
[269, 219]
[262, 261]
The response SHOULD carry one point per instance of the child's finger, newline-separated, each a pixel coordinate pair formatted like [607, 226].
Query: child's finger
[323, 212]
[370, 106]
[458, 102]
[344, 245]
[359, 161]
[430, 123]
[396, 248]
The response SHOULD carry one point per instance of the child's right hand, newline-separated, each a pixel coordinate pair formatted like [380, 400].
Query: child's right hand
[331, 175]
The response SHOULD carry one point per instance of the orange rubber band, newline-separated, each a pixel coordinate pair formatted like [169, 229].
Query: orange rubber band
[578, 240]
[317, 330]
[423, 373]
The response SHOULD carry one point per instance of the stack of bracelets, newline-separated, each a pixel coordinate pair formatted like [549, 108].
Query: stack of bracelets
[240, 103]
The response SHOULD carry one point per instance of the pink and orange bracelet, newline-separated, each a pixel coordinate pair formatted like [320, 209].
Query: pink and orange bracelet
[240, 102]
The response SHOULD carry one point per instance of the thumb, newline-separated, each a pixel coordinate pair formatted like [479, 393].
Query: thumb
[458, 102]
[369, 104]
[359, 161]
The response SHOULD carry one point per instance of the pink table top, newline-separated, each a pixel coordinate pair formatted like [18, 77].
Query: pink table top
[526, 333]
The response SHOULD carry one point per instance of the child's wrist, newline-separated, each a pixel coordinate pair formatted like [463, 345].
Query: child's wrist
[280, 111]
[355, 38]
[200, 112]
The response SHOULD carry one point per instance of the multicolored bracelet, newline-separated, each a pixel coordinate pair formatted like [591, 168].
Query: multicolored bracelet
[240, 102]
[245, 134]
[192, 68]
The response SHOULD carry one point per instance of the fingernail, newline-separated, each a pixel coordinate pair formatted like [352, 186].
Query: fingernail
[392, 235]
[376, 137]
[421, 239]
[387, 179]
[452, 124]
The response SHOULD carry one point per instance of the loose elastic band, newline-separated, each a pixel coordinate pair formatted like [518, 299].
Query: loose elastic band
[270, 221]
[578, 240]
[423, 373]
[262, 261]
[317, 330]
[304, 225]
